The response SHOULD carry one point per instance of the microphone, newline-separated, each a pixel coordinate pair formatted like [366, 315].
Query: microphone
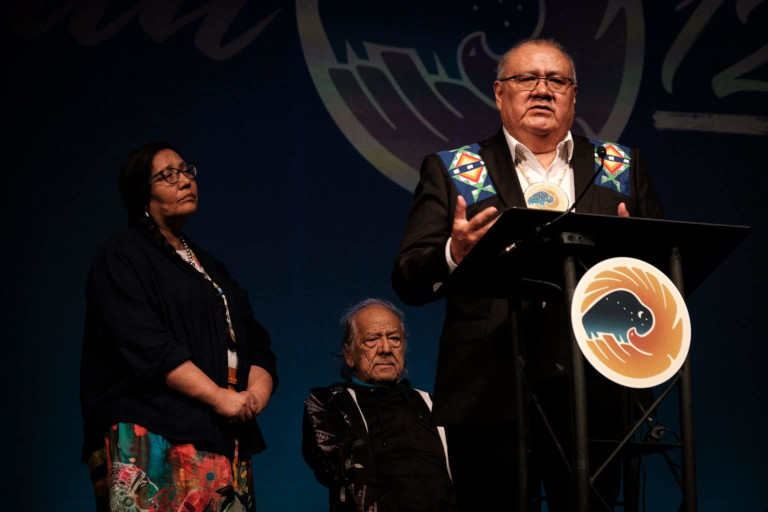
[601, 154]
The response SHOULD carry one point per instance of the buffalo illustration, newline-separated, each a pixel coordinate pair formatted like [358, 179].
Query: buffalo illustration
[541, 198]
[616, 314]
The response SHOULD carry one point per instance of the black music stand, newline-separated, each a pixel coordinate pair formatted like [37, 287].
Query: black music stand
[532, 257]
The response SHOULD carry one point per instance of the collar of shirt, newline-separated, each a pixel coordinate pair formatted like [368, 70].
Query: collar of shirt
[533, 168]
[519, 151]
[361, 383]
[401, 382]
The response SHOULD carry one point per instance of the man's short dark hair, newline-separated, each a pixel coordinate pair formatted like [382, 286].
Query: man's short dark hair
[349, 329]
[539, 41]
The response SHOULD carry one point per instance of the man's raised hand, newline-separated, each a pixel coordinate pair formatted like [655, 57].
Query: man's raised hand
[466, 233]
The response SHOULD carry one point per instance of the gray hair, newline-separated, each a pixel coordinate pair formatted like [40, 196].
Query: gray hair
[540, 41]
[349, 328]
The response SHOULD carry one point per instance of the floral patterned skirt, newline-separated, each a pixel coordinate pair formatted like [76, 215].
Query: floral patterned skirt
[138, 471]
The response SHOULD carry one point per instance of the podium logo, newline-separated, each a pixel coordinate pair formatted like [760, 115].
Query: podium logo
[630, 322]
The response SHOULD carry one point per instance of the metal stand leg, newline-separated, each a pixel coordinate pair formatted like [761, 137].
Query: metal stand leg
[630, 463]
[521, 446]
[579, 401]
[686, 404]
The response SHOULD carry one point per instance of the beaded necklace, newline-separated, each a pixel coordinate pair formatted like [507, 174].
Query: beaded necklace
[192, 260]
[544, 195]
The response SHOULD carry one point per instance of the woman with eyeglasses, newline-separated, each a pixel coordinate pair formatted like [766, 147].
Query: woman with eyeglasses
[175, 368]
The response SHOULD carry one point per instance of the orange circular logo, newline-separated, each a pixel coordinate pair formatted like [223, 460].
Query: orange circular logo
[631, 322]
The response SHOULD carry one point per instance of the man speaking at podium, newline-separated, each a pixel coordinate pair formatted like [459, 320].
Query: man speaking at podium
[533, 161]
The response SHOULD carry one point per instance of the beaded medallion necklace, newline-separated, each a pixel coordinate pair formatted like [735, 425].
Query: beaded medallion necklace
[544, 195]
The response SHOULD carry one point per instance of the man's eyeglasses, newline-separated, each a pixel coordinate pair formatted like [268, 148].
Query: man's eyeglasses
[172, 175]
[529, 82]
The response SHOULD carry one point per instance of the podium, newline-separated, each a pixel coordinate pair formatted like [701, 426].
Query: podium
[534, 255]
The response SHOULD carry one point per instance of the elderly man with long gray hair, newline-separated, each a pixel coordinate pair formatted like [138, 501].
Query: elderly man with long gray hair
[369, 439]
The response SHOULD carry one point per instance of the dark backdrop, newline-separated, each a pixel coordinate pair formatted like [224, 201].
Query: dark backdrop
[307, 123]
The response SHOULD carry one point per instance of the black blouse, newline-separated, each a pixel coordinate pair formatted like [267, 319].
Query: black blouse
[148, 311]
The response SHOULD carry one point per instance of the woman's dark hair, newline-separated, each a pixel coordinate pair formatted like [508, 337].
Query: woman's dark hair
[134, 179]
[134, 188]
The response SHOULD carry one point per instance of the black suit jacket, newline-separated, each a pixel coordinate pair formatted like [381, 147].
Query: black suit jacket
[474, 382]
